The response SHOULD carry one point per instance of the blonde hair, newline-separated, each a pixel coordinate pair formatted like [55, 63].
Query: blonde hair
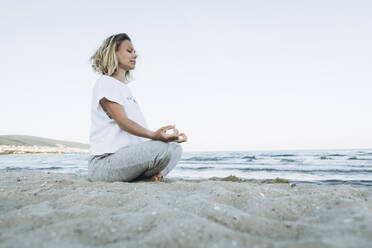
[105, 61]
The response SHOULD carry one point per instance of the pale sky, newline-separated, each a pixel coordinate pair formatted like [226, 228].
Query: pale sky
[232, 75]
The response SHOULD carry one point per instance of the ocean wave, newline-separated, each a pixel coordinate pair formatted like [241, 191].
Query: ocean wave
[286, 160]
[283, 155]
[194, 168]
[366, 183]
[34, 168]
[249, 157]
[196, 158]
[311, 171]
[364, 153]
[337, 155]
[325, 157]
[52, 168]
[207, 158]
[356, 158]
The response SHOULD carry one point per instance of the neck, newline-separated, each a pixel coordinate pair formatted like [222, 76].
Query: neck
[120, 75]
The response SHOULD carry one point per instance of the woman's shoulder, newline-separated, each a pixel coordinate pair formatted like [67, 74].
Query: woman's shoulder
[112, 79]
[109, 79]
[105, 81]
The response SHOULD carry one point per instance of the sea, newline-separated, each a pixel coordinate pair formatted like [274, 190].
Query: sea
[323, 167]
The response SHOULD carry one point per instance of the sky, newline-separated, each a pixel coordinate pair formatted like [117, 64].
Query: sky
[232, 75]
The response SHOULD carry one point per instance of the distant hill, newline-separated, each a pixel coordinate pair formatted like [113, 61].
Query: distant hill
[25, 140]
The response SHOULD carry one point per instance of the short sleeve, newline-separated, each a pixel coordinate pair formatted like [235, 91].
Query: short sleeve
[109, 89]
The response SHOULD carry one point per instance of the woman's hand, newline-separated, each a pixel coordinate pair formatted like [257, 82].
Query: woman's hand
[161, 134]
[182, 140]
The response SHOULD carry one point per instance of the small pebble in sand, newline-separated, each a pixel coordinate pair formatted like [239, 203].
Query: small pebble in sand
[18, 179]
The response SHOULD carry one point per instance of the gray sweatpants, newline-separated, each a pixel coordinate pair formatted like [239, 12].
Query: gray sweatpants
[139, 161]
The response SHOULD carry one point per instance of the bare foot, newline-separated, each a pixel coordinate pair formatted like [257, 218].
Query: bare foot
[160, 176]
[157, 177]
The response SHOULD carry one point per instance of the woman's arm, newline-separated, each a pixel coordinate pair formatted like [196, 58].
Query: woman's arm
[117, 112]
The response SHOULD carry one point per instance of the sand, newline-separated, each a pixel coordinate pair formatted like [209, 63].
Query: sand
[39, 209]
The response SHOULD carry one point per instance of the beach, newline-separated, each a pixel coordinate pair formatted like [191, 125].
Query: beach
[40, 209]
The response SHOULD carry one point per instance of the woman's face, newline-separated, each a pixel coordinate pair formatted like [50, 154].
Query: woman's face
[126, 55]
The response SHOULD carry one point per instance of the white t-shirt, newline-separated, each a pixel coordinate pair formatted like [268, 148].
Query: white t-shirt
[105, 134]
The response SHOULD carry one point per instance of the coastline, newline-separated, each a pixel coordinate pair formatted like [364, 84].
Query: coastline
[34, 149]
[66, 210]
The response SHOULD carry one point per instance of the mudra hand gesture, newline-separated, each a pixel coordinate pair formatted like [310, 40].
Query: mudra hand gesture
[161, 134]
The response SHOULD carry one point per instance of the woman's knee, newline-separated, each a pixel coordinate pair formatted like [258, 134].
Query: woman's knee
[174, 151]
[168, 150]
[175, 148]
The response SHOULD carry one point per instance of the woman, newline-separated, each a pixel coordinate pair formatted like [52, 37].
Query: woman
[121, 146]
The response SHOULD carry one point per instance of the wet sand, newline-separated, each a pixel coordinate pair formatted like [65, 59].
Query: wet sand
[39, 209]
